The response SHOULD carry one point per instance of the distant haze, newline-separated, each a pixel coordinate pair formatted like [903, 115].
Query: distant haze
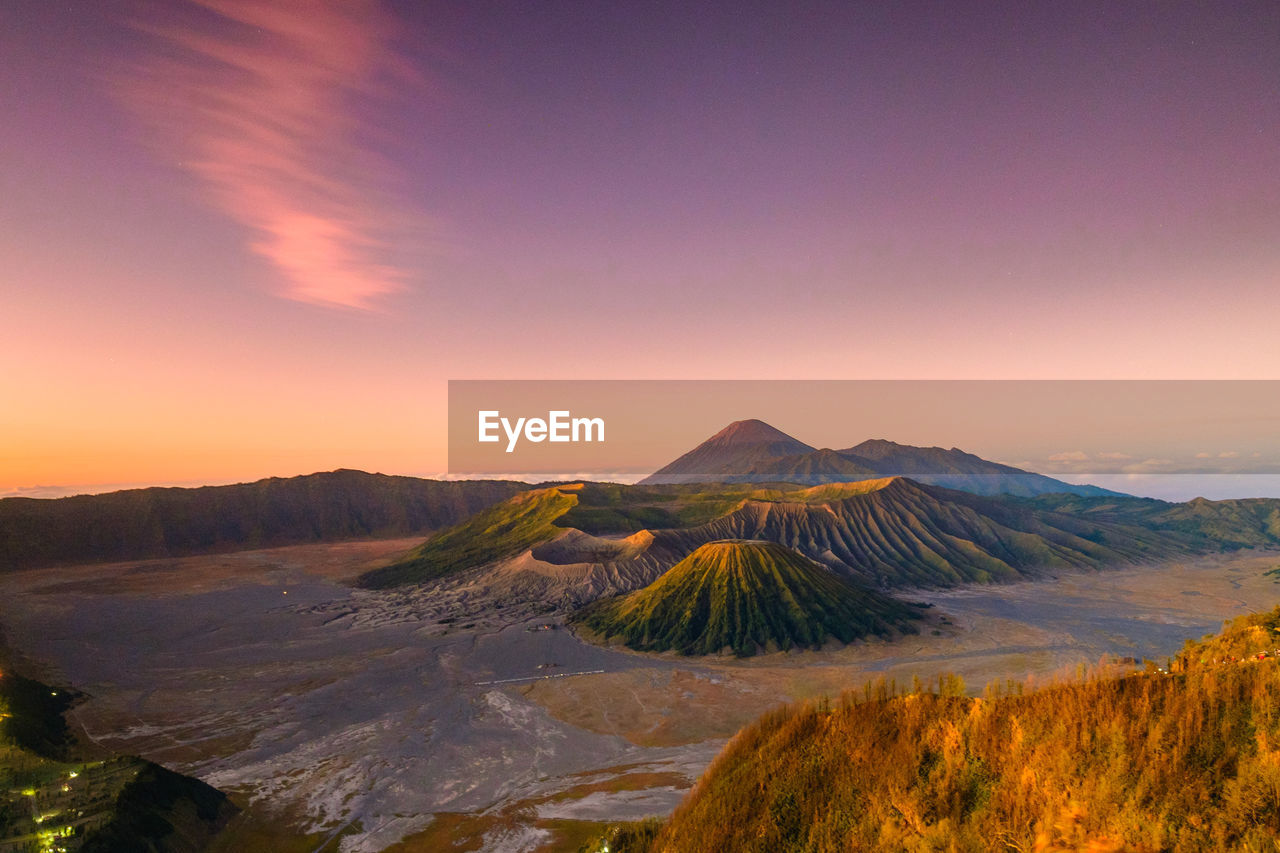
[1135, 436]
[1184, 487]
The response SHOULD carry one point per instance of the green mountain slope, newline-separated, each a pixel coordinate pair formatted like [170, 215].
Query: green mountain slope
[492, 534]
[898, 532]
[171, 522]
[745, 596]
[1246, 523]
[616, 508]
[1241, 523]
[1183, 762]
[885, 533]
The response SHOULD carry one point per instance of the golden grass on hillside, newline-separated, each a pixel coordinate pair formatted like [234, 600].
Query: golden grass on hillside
[1181, 761]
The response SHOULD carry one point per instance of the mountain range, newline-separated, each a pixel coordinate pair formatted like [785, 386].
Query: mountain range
[888, 533]
[171, 522]
[752, 451]
[346, 504]
[750, 568]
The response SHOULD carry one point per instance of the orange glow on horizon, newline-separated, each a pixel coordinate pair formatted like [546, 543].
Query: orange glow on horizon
[490, 191]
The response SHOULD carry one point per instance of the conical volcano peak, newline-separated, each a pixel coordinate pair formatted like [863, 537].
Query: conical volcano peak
[744, 596]
[751, 431]
[741, 446]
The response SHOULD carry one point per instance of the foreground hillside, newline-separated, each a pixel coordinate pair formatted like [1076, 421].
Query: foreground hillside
[746, 596]
[1187, 761]
[169, 522]
[54, 800]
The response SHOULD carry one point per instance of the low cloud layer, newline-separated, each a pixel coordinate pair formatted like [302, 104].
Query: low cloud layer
[1115, 462]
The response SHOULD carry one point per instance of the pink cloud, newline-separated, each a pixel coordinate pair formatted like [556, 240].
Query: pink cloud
[259, 100]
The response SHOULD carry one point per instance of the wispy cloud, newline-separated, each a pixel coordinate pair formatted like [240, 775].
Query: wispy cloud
[261, 100]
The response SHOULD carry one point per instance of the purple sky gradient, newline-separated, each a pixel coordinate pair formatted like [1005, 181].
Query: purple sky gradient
[251, 238]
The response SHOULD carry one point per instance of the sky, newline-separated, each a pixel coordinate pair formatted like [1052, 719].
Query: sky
[242, 238]
[1175, 440]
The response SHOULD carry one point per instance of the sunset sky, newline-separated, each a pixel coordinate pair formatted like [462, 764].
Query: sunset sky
[242, 238]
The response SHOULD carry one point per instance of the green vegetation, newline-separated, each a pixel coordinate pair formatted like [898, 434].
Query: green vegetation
[891, 532]
[492, 534]
[1182, 761]
[614, 508]
[1249, 523]
[52, 801]
[898, 532]
[166, 522]
[32, 716]
[592, 519]
[744, 596]
[1200, 523]
[828, 492]
[605, 508]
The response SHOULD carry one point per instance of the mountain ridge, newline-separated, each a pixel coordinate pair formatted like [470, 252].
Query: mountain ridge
[906, 533]
[495, 533]
[170, 521]
[715, 461]
[886, 534]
